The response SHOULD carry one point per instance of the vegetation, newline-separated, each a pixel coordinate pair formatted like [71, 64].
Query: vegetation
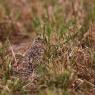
[68, 28]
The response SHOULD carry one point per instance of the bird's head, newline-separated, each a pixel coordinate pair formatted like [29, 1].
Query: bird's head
[39, 41]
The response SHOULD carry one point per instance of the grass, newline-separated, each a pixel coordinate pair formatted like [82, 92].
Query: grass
[68, 66]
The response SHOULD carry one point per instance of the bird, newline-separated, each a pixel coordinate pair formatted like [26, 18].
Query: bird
[33, 56]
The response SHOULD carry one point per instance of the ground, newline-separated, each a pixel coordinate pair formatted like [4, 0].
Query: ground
[68, 30]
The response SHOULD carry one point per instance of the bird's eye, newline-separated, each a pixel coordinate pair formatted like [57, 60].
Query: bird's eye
[39, 38]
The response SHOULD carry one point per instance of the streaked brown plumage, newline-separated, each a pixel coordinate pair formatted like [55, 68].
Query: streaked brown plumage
[33, 56]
